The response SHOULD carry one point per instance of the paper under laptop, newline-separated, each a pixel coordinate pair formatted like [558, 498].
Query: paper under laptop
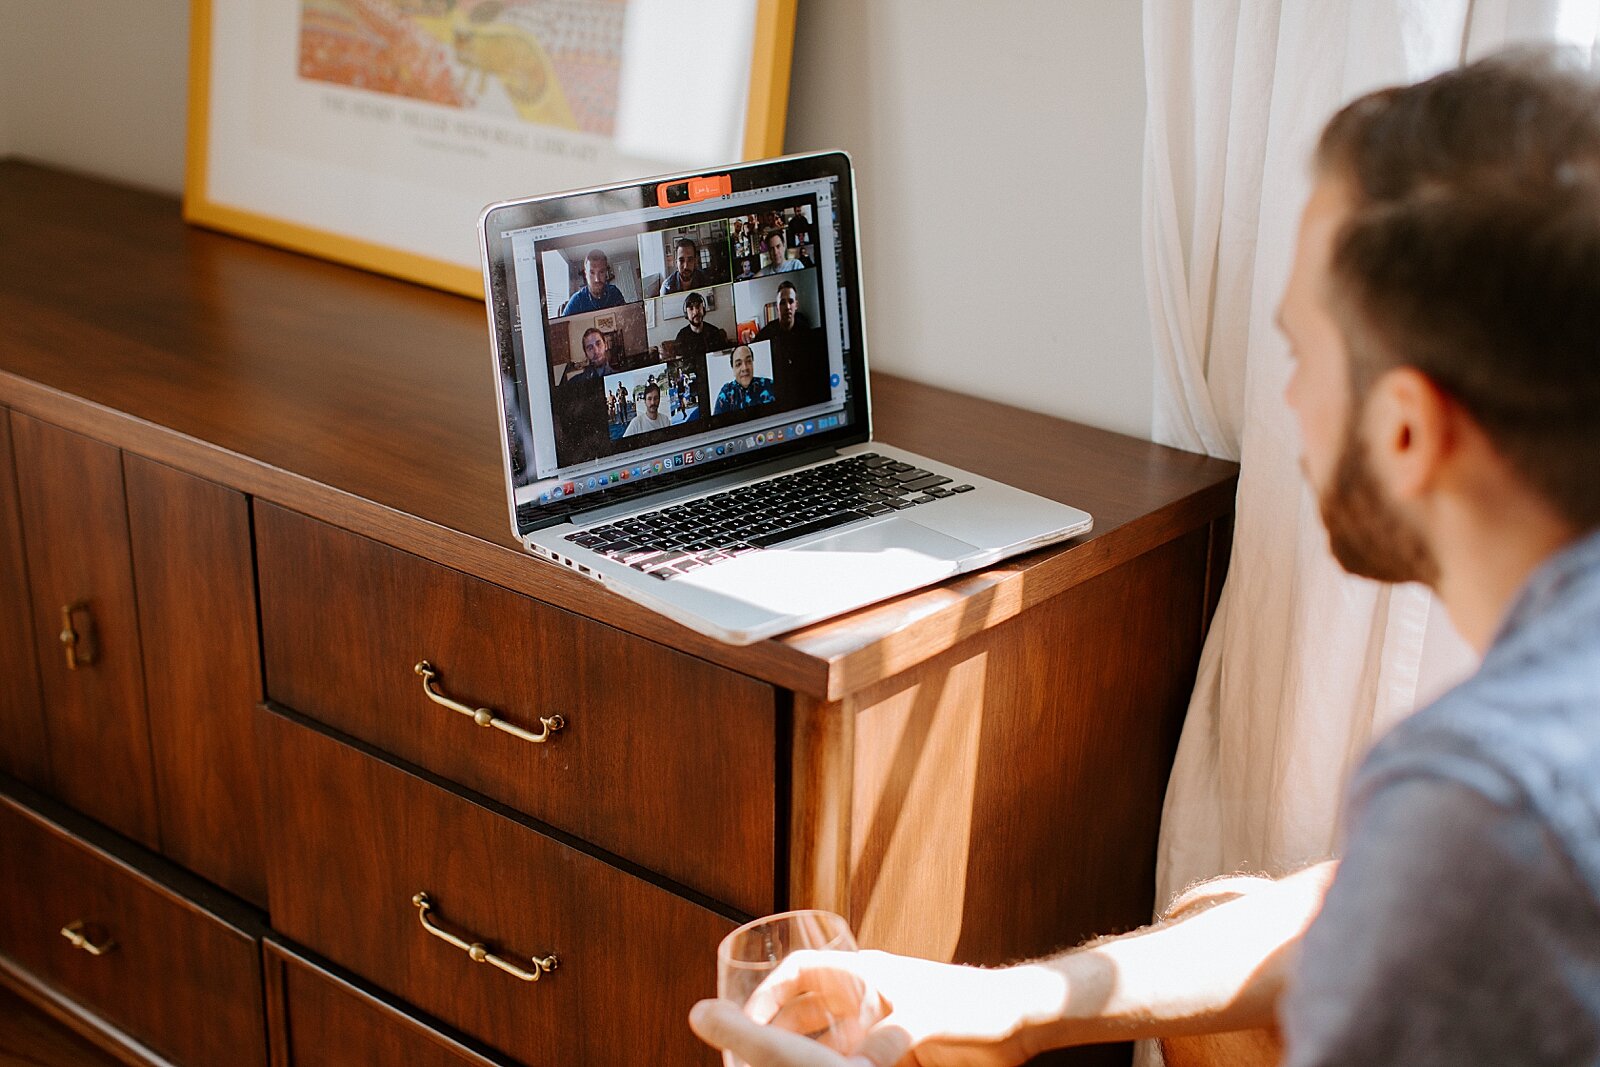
[683, 405]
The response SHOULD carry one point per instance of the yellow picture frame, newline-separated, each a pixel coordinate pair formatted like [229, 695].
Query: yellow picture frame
[771, 52]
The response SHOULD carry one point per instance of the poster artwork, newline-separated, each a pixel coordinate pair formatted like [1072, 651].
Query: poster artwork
[553, 63]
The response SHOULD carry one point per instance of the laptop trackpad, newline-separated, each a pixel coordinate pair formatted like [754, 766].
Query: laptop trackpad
[893, 535]
[838, 572]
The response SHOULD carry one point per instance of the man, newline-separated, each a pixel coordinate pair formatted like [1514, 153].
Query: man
[700, 336]
[599, 293]
[790, 317]
[651, 418]
[778, 261]
[1444, 315]
[597, 358]
[688, 275]
[746, 390]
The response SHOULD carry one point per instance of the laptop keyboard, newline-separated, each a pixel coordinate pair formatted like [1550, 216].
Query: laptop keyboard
[701, 533]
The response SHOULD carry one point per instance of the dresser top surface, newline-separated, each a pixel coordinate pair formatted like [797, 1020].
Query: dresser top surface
[369, 402]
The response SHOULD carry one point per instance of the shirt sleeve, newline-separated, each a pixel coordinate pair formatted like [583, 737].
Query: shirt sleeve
[1456, 933]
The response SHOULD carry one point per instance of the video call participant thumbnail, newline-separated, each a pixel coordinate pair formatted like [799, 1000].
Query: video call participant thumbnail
[597, 353]
[598, 293]
[650, 417]
[699, 336]
[746, 390]
[686, 254]
[790, 317]
[776, 246]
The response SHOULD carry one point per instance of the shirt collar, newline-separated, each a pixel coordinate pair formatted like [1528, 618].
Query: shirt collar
[1573, 567]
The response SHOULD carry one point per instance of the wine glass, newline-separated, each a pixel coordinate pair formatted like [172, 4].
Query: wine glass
[748, 955]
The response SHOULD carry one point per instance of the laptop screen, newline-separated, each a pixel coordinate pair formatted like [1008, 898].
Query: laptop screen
[643, 343]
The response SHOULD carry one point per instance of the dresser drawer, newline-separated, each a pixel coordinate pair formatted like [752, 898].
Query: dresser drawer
[357, 839]
[170, 973]
[323, 1019]
[663, 759]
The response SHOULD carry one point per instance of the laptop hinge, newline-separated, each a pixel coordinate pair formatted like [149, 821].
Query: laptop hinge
[710, 485]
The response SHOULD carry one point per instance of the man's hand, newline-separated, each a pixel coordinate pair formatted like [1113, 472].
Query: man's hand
[884, 1010]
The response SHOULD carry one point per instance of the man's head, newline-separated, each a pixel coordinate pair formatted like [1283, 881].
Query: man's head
[788, 304]
[594, 347]
[1448, 274]
[652, 398]
[777, 250]
[694, 309]
[687, 254]
[744, 365]
[596, 271]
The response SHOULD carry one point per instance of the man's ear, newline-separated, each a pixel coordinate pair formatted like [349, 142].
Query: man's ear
[1411, 431]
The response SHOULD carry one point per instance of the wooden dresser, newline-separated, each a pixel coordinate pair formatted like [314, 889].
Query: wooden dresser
[256, 584]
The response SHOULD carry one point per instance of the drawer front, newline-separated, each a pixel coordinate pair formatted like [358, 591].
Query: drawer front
[170, 974]
[663, 759]
[355, 840]
[326, 1020]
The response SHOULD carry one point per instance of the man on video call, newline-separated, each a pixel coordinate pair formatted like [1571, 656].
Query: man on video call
[790, 317]
[652, 417]
[1443, 313]
[746, 390]
[700, 336]
[688, 275]
[778, 261]
[597, 358]
[599, 293]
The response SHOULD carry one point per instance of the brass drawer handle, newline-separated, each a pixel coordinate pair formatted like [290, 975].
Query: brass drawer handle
[483, 716]
[477, 951]
[70, 638]
[73, 932]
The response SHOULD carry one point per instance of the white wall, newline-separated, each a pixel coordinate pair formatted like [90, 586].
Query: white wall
[997, 148]
[97, 87]
[1015, 126]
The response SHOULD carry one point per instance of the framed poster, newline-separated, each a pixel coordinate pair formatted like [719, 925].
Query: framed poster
[373, 132]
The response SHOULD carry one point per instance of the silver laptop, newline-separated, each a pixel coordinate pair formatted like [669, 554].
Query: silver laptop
[683, 402]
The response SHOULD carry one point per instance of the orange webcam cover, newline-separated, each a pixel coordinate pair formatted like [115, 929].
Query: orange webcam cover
[672, 194]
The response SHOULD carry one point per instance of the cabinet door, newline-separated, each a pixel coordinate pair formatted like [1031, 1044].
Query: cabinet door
[202, 669]
[22, 740]
[75, 534]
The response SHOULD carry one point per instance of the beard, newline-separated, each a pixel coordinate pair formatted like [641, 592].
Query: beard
[1369, 536]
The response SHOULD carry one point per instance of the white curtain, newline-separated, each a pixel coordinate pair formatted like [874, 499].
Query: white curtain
[1304, 665]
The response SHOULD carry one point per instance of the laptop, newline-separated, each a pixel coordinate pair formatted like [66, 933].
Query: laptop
[682, 387]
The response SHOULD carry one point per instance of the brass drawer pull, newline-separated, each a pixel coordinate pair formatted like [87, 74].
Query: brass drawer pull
[73, 932]
[476, 949]
[483, 716]
[70, 638]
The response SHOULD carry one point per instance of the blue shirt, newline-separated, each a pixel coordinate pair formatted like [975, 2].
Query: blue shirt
[734, 398]
[1463, 927]
[583, 300]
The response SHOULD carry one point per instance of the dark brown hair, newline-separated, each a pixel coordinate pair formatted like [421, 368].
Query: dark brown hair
[1472, 254]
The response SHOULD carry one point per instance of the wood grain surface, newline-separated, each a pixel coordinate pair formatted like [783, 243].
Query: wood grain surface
[75, 527]
[195, 578]
[663, 759]
[331, 1020]
[174, 976]
[30, 1037]
[358, 837]
[24, 749]
[370, 402]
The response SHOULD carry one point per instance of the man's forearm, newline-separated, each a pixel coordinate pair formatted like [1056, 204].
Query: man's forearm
[1221, 969]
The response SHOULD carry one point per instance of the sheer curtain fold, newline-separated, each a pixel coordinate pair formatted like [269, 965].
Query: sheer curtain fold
[1304, 665]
